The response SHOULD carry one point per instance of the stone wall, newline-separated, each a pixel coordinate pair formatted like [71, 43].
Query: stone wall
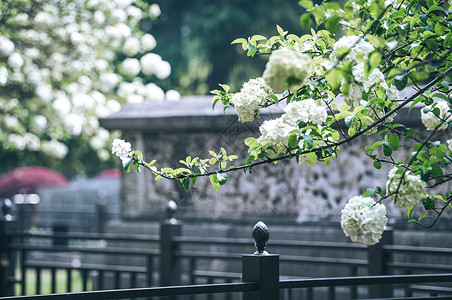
[169, 131]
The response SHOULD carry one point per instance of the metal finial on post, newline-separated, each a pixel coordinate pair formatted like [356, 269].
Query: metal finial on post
[260, 237]
[6, 208]
[171, 209]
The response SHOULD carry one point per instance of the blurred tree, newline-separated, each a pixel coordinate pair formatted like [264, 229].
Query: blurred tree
[64, 64]
[195, 37]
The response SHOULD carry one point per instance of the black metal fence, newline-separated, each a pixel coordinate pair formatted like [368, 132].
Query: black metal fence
[171, 260]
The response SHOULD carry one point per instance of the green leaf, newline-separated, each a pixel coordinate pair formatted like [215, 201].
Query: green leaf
[214, 181]
[440, 197]
[377, 42]
[305, 21]
[440, 29]
[374, 60]
[258, 37]
[251, 50]
[345, 88]
[349, 120]
[376, 8]
[410, 211]
[251, 142]
[239, 41]
[435, 8]
[136, 166]
[377, 165]
[193, 180]
[334, 78]
[312, 157]
[419, 99]
[222, 177]
[422, 216]
[387, 151]
[185, 183]
[393, 141]
[370, 192]
[437, 171]
[319, 14]
[281, 31]
[308, 140]
[293, 141]
[423, 18]
[423, 156]
[331, 23]
[377, 144]
[215, 101]
[401, 81]
[138, 153]
[428, 203]
[307, 4]
[126, 164]
[225, 87]
[250, 159]
[437, 152]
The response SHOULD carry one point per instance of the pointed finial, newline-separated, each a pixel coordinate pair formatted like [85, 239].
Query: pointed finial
[260, 236]
[6, 208]
[171, 209]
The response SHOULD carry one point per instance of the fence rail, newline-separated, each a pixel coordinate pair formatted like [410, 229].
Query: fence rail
[246, 287]
[241, 287]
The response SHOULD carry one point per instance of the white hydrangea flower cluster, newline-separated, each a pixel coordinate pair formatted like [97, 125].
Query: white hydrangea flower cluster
[307, 111]
[409, 190]
[358, 46]
[121, 149]
[276, 132]
[449, 144]
[60, 57]
[363, 220]
[286, 69]
[431, 121]
[248, 101]
[152, 64]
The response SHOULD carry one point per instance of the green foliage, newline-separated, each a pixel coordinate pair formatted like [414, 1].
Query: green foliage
[195, 38]
[222, 96]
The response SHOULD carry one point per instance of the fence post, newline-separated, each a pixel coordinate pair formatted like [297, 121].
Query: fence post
[170, 267]
[261, 267]
[101, 210]
[6, 256]
[377, 264]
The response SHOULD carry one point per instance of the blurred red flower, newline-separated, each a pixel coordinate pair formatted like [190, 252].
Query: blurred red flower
[110, 173]
[26, 180]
